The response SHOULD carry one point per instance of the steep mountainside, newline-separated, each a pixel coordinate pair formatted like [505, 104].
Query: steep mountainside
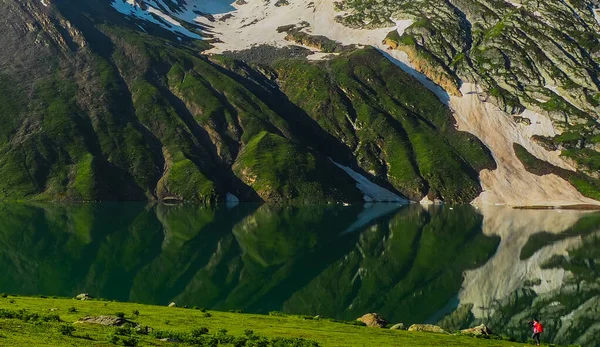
[119, 100]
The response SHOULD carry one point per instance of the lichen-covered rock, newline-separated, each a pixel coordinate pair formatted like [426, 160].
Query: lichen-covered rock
[104, 320]
[429, 328]
[481, 330]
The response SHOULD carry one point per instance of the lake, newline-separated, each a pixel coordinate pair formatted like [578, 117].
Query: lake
[454, 266]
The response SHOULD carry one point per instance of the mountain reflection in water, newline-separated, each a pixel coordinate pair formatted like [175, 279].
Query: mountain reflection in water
[454, 266]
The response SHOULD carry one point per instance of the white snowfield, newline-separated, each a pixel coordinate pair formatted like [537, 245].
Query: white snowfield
[255, 22]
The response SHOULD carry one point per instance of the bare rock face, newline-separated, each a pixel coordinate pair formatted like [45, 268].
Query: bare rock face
[481, 330]
[373, 320]
[426, 328]
[104, 320]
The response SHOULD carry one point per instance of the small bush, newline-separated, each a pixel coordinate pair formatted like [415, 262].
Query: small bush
[130, 341]
[4, 295]
[72, 310]
[199, 332]
[66, 329]
[248, 332]
[202, 310]
[167, 322]
[120, 314]
[136, 313]
[12, 301]
[114, 339]
[123, 331]
[28, 317]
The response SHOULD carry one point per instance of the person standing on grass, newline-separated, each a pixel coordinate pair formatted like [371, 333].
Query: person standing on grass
[538, 328]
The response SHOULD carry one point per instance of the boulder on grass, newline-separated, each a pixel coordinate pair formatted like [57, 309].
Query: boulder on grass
[172, 304]
[373, 320]
[105, 320]
[481, 330]
[399, 326]
[426, 328]
[83, 297]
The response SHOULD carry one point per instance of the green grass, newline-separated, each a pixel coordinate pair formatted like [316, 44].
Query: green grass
[40, 331]
[586, 185]
[280, 170]
[397, 129]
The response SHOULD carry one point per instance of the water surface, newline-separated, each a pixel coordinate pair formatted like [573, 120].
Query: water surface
[456, 266]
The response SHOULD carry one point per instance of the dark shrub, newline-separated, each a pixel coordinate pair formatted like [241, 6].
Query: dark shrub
[123, 331]
[130, 341]
[66, 329]
[248, 332]
[114, 339]
[4, 295]
[136, 313]
[199, 332]
[120, 314]
[72, 310]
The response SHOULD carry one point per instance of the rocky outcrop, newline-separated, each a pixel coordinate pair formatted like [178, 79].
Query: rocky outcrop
[481, 330]
[373, 320]
[428, 328]
[522, 54]
[104, 320]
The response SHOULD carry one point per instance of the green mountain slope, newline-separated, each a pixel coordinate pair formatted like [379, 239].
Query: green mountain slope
[94, 108]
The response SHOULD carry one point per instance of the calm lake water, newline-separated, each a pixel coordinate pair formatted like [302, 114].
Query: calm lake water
[456, 266]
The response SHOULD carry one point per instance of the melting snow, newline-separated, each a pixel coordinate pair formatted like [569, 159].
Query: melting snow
[372, 191]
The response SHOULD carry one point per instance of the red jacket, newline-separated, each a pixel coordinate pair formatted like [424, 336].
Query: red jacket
[538, 327]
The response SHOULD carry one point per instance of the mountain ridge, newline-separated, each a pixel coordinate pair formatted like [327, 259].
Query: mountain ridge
[123, 109]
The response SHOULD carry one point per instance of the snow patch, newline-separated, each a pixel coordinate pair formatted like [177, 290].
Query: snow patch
[511, 183]
[255, 23]
[372, 191]
[151, 12]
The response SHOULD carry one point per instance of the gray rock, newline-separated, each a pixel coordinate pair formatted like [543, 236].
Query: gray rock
[481, 330]
[172, 304]
[426, 328]
[83, 297]
[399, 326]
[104, 320]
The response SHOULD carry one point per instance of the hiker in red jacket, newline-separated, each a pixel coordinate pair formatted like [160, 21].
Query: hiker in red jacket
[538, 328]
